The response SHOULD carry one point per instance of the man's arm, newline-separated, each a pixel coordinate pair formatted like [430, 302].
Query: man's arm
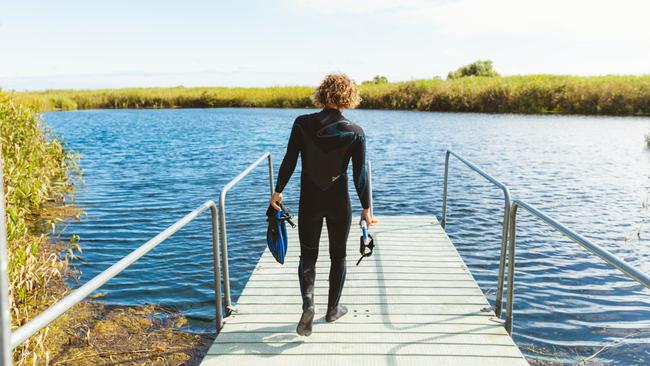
[359, 173]
[290, 159]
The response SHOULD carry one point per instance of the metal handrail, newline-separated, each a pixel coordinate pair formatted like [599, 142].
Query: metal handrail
[223, 235]
[53, 312]
[504, 225]
[601, 252]
[5, 317]
[9, 340]
[369, 174]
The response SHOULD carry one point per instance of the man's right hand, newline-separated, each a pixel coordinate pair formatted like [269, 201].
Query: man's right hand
[275, 201]
[365, 215]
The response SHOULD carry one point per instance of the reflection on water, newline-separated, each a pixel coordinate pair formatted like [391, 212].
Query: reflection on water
[145, 169]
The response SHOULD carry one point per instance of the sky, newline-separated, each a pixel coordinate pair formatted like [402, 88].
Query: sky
[77, 44]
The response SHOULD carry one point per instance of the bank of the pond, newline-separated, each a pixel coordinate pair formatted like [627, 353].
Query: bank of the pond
[527, 94]
[36, 168]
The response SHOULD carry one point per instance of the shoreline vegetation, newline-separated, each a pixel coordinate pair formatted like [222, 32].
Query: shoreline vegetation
[527, 94]
[35, 171]
[37, 179]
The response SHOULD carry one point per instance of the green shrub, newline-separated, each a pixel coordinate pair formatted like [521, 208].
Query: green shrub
[378, 79]
[478, 68]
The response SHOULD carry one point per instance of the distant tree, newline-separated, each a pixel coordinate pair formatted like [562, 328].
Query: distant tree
[478, 68]
[378, 79]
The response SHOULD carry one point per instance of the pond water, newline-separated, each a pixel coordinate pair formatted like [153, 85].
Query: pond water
[144, 169]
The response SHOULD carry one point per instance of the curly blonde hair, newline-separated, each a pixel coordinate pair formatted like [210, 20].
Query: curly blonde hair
[336, 91]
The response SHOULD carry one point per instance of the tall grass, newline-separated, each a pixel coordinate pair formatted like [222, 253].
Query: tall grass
[179, 97]
[35, 168]
[538, 94]
[606, 95]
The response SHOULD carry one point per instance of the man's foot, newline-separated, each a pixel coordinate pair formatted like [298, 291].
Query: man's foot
[306, 320]
[333, 314]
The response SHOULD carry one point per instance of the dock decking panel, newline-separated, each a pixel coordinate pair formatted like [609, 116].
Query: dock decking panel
[414, 302]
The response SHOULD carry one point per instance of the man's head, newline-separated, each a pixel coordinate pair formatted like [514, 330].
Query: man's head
[336, 91]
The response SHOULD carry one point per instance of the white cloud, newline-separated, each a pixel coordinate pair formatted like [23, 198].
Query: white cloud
[577, 20]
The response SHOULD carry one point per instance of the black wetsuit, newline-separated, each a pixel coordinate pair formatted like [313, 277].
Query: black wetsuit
[326, 142]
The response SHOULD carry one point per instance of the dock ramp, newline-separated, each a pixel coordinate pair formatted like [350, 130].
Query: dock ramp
[413, 302]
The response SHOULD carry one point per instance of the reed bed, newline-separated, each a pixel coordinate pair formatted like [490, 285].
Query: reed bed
[529, 94]
[36, 168]
[35, 176]
[179, 97]
[532, 94]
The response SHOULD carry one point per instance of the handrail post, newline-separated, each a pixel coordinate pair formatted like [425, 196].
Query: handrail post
[512, 227]
[504, 224]
[223, 232]
[502, 257]
[6, 357]
[369, 173]
[223, 238]
[217, 270]
[270, 174]
[443, 220]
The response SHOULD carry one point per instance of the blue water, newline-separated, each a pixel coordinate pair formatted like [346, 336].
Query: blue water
[145, 169]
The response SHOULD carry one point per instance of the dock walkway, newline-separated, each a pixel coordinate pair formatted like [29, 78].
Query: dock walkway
[414, 302]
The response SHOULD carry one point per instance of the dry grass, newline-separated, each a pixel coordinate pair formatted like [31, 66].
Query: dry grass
[145, 335]
[94, 334]
[546, 357]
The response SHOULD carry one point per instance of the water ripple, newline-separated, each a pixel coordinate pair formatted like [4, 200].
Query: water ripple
[146, 169]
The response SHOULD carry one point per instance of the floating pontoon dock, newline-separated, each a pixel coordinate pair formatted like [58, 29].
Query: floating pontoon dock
[413, 302]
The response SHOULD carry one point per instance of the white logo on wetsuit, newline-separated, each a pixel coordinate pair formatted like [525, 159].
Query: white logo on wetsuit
[333, 130]
[335, 178]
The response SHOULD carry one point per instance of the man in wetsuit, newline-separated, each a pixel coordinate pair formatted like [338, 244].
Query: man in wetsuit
[326, 142]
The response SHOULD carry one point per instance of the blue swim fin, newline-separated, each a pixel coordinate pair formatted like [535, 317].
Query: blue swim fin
[276, 233]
